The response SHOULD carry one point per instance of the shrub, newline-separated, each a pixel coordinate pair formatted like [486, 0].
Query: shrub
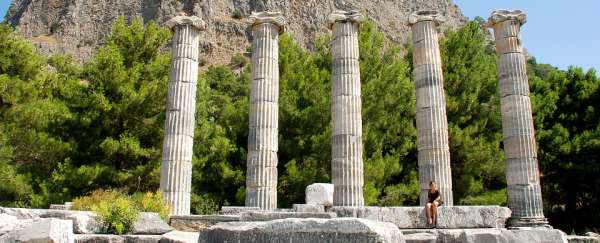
[204, 204]
[239, 60]
[237, 14]
[152, 202]
[91, 201]
[117, 216]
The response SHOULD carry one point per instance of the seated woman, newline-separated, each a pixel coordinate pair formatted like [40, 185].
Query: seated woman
[433, 201]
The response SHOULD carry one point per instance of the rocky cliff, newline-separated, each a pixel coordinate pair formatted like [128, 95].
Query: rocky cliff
[77, 27]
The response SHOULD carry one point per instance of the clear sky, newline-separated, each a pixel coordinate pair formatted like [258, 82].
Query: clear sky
[559, 32]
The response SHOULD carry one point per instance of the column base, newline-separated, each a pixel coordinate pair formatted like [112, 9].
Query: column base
[528, 222]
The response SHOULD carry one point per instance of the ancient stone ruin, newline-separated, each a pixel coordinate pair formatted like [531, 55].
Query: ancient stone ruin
[337, 215]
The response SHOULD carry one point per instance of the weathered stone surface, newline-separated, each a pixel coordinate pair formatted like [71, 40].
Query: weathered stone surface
[98, 238]
[432, 125]
[43, 230]
[142, 238]
[176, 167]
[76, 27]
[319, 194]
[544, 235]
[582, 239]
[522, 172]
[267, 216]
[454, 217]
[304, 230]
[66, 206]
[236, 210]
[150, 224]
[195, 223]
[346, 142]
[8, 223]
[261, 174]
[492, 235]
[84, 222]
[420, 238]
[180, 237]
[309, 208]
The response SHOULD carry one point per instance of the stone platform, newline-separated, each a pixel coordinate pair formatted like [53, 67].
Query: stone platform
[455, 217]
[545, 235]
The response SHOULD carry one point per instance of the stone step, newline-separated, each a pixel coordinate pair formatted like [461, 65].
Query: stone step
[195, 223]
[489, 235]
[452, 217]
[268, 216]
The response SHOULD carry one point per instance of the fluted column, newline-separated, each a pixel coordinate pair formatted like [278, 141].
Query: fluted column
[432, 124]
[261, 176]
[522, 174]
[346, 144]
[176, 169]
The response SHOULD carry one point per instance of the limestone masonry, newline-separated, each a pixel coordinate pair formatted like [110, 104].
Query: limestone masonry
[432, 124]
[522, 173]
[176, 168]
[346, 143]
[261, 176]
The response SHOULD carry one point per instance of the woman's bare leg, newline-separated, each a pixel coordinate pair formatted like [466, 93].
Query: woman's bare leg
[429, 212]
[434, 212]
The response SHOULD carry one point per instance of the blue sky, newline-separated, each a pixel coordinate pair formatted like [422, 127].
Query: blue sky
[559, 32]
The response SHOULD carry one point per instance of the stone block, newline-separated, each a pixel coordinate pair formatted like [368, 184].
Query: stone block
[84, 222]
[66, 206]
[236, 210]
[449, 217]
[309, 208]
[48, 230]
[319, 194]
[98, 238]
[180, 237]
[420, 238]
[476, 236]
[304, 230]
[150, 224]
[489, 235]
[142, 238]
[544, 235]
[195, 223]
[270, 215]
[582, 239]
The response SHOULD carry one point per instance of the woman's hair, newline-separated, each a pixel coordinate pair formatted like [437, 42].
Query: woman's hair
[431, 183]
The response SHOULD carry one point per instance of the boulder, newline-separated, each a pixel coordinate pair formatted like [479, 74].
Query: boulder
[195, 223]
[309, 208]
[235, 210]
[180, 237]
[98, 238]
[267, 216]
[420, 238]
[349, 230]
[582, 239]
[150, 224]
[320, 194]
[42, 230]
[453, 217]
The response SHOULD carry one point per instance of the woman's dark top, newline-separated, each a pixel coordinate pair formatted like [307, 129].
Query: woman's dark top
[433, 195]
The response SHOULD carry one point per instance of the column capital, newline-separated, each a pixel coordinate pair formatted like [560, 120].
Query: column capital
[186, 20]
[502, 15]
[353, 16]
[426, 15]
[269, 17]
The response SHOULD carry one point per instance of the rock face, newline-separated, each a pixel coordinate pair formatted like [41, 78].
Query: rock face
[304, 230]
[456, 217]
[77, 27]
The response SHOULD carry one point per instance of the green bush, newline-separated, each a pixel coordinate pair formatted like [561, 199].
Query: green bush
[203, 205]
[117, 216]
[93, 200]
[152, 202]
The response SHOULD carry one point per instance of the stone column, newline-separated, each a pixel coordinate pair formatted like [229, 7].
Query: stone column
[346, 145]
[432, 125]
[261, 176]
[522, 174]
[176, 169]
